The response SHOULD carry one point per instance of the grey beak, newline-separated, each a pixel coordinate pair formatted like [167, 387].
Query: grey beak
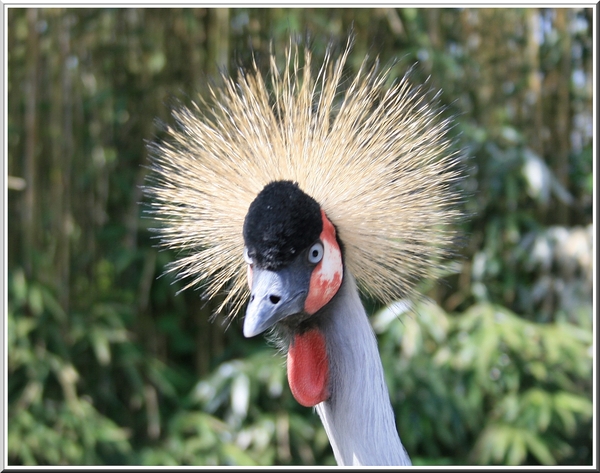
[274, 296]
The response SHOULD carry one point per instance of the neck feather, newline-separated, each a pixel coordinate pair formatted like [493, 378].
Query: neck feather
[358, 417]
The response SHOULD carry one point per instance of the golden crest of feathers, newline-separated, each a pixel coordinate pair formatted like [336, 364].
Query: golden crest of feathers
[377, 159]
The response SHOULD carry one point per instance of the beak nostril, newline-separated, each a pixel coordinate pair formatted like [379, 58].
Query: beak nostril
[274, 299]
[251, 297]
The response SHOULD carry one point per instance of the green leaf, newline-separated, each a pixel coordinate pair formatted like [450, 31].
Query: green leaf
[101, 346]
[517, 450]
[574, 402]
[36, 300]
[539, 449]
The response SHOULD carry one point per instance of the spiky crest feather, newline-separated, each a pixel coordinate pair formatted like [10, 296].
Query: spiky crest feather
[376, 159]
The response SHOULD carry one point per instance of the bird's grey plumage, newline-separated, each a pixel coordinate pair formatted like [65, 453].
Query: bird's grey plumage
[358, 418]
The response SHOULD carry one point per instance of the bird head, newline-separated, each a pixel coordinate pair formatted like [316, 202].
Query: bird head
[294, 258]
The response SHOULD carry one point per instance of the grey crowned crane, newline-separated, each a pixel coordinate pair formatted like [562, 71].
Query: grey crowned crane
[293, 189]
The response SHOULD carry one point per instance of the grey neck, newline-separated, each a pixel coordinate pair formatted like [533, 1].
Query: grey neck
[358, 418]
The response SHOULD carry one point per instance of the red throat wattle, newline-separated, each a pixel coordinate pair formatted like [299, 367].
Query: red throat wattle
[308, 368]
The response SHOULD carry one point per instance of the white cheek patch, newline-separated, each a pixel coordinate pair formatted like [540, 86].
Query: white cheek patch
[331, 268]
[326, 278]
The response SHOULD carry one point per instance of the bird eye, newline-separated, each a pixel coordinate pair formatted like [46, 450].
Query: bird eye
[315, 254]
[247, 258]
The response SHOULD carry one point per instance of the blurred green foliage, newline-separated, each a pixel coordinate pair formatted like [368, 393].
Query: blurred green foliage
[108, 364]
[487, 384]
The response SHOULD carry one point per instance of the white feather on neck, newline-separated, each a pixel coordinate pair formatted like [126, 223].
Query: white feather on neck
[358, 418]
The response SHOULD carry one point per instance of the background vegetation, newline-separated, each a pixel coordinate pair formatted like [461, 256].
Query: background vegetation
[107, 365]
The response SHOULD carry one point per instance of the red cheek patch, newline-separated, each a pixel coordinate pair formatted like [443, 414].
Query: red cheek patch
[326, 277]
[308, 368]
